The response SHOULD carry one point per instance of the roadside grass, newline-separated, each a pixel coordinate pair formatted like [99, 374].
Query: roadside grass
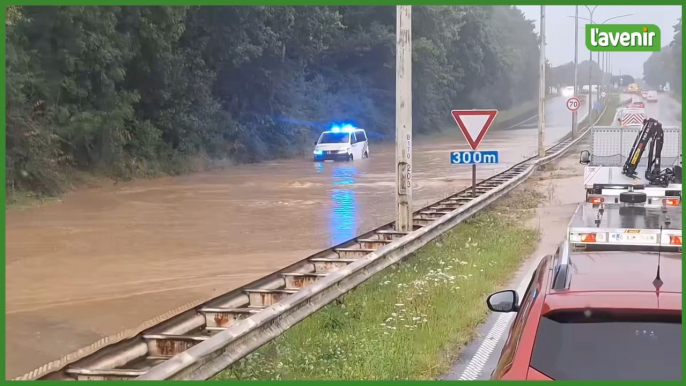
[606, 119]
[410, 321]
[25, 200]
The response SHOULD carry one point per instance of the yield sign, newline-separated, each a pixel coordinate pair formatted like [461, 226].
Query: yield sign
[474, 124]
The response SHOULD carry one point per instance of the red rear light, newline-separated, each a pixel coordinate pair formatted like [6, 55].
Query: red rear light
[675, 240]
[671, 201]
[588, 238]
[596, 200]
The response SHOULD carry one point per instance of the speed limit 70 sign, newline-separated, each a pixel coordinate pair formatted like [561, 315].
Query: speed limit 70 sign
[573, 104]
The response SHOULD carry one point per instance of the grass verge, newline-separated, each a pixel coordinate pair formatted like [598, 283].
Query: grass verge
[410, 321]
[606, 119]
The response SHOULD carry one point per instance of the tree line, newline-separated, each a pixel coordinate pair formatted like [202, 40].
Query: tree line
[563, 75]
[665, 65]
[139, 91]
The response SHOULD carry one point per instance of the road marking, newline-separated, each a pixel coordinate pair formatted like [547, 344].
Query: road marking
[478, 361]
[483, 354]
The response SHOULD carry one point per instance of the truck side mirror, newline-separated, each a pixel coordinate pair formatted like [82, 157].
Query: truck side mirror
[585, 157]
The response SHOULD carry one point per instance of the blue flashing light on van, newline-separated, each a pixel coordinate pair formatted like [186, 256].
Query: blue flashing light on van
[344, 128]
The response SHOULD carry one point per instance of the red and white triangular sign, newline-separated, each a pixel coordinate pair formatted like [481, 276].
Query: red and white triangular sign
[474, 124]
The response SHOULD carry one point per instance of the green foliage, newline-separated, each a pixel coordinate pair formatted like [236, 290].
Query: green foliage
[563, 75]
[665, 65]
[137, 91]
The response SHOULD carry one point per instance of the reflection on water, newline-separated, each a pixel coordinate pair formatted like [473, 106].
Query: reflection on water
[343, 219]
[318, 167]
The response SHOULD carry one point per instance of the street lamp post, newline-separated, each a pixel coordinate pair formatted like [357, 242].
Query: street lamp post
[590, 67]
[590, 56]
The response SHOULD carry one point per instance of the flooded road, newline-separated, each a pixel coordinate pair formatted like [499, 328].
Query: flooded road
[109, 260]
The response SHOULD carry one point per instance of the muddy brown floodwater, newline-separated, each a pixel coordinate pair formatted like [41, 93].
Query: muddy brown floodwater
[106, 260]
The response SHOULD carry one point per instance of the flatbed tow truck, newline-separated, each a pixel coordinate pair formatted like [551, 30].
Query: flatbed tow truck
[617, 163]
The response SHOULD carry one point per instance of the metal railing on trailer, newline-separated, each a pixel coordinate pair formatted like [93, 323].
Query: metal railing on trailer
[610, 147]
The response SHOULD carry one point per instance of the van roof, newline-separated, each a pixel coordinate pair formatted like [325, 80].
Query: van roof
[347, 131]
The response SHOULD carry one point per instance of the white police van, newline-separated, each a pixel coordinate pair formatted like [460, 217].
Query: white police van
[341, 143]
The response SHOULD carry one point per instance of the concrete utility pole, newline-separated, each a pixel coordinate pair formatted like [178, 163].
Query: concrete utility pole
[403, 118]
[576, 68]
[541, 89]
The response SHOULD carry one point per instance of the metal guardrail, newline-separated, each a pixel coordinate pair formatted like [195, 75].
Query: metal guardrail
[207, 359]
[186, 355]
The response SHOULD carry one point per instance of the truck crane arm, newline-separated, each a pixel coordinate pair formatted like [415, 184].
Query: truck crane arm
[652, 136]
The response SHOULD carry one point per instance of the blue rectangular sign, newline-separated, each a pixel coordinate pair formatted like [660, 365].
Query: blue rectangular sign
[474, 157]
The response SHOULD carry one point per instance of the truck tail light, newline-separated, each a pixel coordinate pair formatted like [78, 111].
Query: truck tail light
[588, 237]
[596, 200]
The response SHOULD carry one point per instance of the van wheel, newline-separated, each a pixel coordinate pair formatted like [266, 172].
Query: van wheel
[366, 154]
[350, 158]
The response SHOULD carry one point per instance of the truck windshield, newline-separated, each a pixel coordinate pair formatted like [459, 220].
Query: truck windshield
[601, 345]
[334, 138]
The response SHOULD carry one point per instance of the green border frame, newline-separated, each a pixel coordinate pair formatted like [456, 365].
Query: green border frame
[288, 2]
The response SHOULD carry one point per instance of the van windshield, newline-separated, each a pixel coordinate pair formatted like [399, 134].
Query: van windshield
[331, 137]
[603, 345]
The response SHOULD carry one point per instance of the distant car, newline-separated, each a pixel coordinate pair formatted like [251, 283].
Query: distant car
[652, 96]
[568, 91]
[345, 143]
[582, 320]
[644, 94]
[638, 105]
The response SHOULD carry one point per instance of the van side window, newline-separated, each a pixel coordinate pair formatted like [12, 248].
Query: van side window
[362, 135]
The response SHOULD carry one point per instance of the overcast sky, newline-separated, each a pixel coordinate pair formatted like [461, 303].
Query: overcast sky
[560, 31]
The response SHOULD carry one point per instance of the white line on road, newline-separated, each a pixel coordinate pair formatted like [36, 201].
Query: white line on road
[480, 358]
[478, 361]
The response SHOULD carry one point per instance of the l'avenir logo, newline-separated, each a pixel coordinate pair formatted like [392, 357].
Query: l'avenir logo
[623, 37]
